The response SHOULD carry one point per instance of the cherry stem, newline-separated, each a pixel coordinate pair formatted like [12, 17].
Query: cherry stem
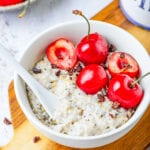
[23, 12]
[139, 79]
[78, 12]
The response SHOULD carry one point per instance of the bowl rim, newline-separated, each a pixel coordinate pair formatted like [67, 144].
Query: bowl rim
[15, 6]
[131, 122]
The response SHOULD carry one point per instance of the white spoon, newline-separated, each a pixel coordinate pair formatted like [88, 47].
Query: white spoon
[48, 100]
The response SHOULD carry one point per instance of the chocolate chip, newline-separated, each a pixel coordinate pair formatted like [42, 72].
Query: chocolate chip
[36, 70]
[79, 67]
[7, 121]
[130, 113]
[36, 139]
[115, 105]
[71, 71]
[58, 73]
[54, 66]
[100, 97]
[112, 48]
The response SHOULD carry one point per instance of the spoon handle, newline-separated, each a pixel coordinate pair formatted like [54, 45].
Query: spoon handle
[50, 101]
[18, 68]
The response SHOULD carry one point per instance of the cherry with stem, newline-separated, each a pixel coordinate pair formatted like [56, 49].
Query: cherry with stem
[93, 48]
[125, 90]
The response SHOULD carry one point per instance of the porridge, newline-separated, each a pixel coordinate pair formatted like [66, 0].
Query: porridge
[80, 114]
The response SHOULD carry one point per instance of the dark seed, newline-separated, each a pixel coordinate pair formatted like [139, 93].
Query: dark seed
[131, 112]
[79, 67]
[101, 98]
[36, 139]
[112, 48]
[7, 121]
[54, 66]
[71, 71]
[58, 73]
[115, 105]
[36, 70]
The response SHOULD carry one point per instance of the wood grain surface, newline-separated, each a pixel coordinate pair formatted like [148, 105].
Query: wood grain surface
[137, 139]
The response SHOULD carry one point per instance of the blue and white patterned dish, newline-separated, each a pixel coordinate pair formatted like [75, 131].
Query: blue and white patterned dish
[137, 12]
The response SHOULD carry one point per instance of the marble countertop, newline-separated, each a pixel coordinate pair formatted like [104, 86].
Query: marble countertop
[15, 33]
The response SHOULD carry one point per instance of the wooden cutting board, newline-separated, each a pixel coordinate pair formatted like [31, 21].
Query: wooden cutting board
[137, 139]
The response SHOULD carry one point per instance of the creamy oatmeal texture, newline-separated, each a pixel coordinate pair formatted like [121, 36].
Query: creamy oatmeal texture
[80, 114]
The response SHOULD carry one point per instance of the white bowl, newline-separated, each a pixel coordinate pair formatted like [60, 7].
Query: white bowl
[75, 31]
[16, 6]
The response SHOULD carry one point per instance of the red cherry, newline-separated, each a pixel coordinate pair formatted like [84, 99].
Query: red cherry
[120, 62]
[122, 90]
[62, 53]
[93, 48]
[10, 2]
[92, 78]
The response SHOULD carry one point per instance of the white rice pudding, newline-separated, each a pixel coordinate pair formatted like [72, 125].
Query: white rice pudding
[80, 114]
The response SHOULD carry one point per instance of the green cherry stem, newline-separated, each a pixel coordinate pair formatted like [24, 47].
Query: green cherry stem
[23, 12]
[78, 12]
[139, 79]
